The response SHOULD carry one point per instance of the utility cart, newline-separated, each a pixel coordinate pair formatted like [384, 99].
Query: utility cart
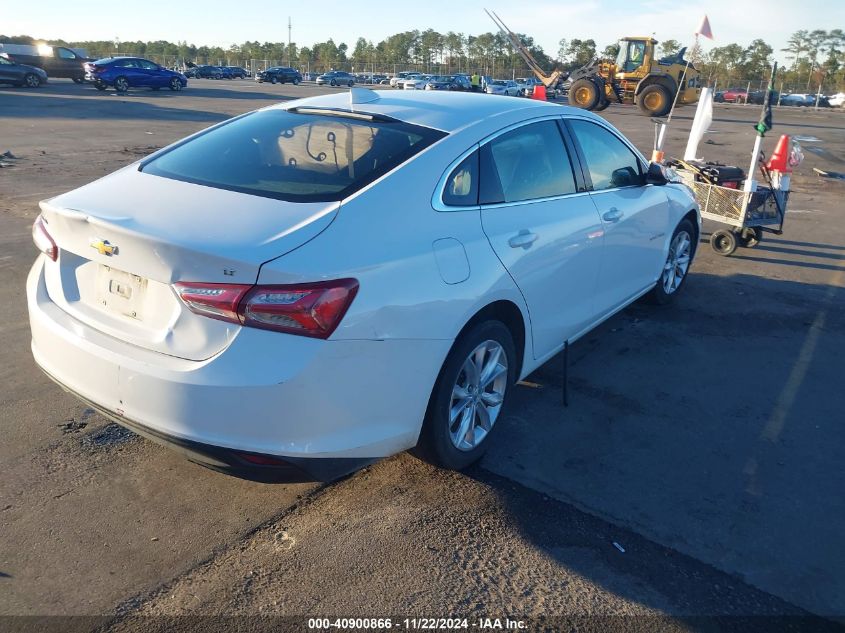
[746, 214]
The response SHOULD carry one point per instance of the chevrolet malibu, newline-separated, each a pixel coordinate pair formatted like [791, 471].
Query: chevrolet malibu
[307, 288]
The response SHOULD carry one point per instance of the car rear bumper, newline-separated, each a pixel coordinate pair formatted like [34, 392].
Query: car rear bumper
[322, 406]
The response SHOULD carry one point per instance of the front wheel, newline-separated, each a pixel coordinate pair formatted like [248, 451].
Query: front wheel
[332, 83]
[350, 83]
[121, 84]
[468, 396]
[655, 100]
[31, 80]
[751, 236]
[584, 94]
[175, 84]
[676, 267]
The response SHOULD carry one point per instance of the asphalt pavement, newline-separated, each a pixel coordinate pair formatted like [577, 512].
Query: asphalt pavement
[697, 471]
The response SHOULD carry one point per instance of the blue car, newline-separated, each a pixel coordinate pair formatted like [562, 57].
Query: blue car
[124, 73]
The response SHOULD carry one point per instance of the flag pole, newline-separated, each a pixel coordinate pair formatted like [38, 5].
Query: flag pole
[762, 127]
[657, 154]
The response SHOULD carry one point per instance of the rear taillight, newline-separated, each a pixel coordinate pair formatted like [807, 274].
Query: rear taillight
[43, 240]
[313, 309]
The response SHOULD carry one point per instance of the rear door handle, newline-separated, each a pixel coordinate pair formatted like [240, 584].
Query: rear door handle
[613, 215]
[523, 240]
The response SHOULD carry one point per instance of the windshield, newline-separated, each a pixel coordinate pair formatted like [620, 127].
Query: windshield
[300, 157]
[630, 55]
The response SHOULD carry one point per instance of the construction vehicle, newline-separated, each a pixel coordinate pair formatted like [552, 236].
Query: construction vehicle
[634, 77]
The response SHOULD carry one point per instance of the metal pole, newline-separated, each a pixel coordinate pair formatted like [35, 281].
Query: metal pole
[750, 182]
[747, 90]
[289, 51]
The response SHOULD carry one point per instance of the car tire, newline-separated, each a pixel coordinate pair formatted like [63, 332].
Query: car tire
[655, 100]
[121, 84]
[445, 437]
[584, 94]
[175, 84]
[99, 85]
[296, 82]
[676, 267]
[31, 80]
[273, 80]
[332, 83]
[350, 84]
[78, 79]
[724, 242]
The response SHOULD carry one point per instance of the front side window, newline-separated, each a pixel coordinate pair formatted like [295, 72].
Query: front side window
[527, 163]
[610, 162]
[66, 54]
[295, 156]
[147, 65]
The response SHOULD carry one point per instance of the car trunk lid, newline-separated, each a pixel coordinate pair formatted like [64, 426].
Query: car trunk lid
[125, 239]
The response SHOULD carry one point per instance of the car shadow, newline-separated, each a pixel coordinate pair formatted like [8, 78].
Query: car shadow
[711, 427]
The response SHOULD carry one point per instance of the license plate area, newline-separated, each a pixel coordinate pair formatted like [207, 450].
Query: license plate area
[119, 292]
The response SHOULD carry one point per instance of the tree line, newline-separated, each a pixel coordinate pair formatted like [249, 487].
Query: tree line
[814, 57]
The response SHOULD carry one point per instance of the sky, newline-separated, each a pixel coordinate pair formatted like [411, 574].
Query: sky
[215, 22]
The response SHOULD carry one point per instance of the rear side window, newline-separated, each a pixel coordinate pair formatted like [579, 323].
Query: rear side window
[527, 163]
[610, 162]
[301, 157]
[462, 185]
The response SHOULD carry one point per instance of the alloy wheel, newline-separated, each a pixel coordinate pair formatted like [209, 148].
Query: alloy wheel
[32, 81]
[477, 395]
[677, 263]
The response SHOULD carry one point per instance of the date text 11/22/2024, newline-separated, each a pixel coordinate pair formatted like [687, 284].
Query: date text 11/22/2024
[415, 624]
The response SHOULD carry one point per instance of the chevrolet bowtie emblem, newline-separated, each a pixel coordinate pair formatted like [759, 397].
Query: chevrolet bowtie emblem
[103, 247]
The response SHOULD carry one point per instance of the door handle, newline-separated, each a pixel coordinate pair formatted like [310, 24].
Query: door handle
[523, 240]
[613, 215]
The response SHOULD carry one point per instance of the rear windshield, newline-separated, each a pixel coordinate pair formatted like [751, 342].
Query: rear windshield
[293, 156]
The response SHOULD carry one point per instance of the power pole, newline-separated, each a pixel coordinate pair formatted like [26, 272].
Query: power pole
[290, 61]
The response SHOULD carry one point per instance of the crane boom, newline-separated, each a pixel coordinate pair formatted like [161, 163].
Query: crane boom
[550, 81]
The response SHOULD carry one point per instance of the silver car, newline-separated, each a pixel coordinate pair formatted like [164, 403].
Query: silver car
[504, 87]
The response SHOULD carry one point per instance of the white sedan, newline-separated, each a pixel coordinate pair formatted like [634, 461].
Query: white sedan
[254, 294]
[504, 87]
[416, 82]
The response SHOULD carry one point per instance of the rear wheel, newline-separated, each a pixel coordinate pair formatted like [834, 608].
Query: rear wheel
[584, 94]
[175, 84]
[723, 242]
[295, 81]
[121, 84]
[350, 83]
[78, 79]
[31, 80]
[654, 100]
[603, 104]
[468, 396]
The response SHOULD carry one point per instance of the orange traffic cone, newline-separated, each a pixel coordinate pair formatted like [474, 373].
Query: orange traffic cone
[539, 92]
[779, 160]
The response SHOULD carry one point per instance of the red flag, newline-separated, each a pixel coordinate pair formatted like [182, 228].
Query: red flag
[704, 29]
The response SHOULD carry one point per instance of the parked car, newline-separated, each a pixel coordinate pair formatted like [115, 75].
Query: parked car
[735, 95]
[336, 78]
[449, 82]
[837, 100]
[279, 74]
[399, 77]
[806, 100]
[208, 72]
[56, 61]
[123, 73]
[20, 74]
[237, 72]
[526, 85]
[317, 329]
[759, 96]
[506, 87]
[414, 82]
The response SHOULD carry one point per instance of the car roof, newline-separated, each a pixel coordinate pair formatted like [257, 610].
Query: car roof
[446, 111]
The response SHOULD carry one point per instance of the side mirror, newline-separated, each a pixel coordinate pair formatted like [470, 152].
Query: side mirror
[655, 175]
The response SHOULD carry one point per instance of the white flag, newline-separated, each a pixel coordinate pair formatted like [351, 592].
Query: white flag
[704, 29]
